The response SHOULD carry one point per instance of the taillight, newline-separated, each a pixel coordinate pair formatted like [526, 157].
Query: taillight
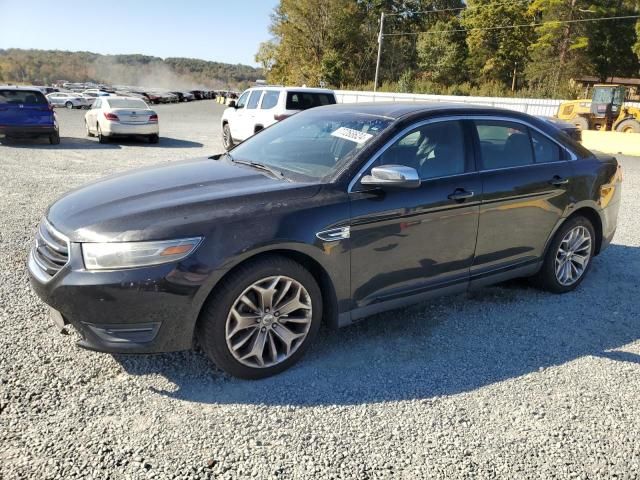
[153, 118]
[280, 116]
[111, 116]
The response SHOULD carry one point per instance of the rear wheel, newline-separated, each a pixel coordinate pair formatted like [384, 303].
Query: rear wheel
[227, 139]
[68, 105]
[262, 319]
[54, 138]
[629, 126]
[101, 138]
[569, 256]
[581, 122]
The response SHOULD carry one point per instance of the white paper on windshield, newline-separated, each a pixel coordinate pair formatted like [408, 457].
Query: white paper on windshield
[351, 134]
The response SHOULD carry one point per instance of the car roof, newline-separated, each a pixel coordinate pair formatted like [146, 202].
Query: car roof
[297, 89]
[24, 89]
[397, 110]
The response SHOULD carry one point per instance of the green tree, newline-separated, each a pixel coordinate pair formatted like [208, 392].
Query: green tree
[495, 51]
[442, 53]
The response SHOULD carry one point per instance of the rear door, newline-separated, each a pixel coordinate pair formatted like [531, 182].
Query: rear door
[24, 108]
[266, 113]
[525, 182]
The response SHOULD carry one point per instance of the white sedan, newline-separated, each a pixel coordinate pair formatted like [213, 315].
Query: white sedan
[121, 117]
[69, 100]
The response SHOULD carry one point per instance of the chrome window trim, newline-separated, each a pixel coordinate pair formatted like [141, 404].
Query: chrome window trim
[500, 118]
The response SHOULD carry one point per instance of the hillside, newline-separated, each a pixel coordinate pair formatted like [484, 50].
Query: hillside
[47, 66]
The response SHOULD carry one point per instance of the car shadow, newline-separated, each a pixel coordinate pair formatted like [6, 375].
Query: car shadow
[165, 142]
[66, 143]
[447, 346]
[74, 143]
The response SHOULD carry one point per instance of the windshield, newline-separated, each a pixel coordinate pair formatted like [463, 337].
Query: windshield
[126, 103]
[314, 143]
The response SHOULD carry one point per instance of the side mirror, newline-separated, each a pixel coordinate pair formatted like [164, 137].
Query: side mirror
[397, 176]
[232, 103]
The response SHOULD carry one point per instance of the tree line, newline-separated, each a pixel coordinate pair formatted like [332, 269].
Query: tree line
[477, 47]
[49, 66]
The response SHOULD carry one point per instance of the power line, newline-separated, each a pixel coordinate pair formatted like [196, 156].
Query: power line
[506, 27]
[457, 9]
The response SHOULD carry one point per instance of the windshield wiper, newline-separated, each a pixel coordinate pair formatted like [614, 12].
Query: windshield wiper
[260, 166]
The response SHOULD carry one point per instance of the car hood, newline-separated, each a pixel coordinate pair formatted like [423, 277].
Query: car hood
[176, 200]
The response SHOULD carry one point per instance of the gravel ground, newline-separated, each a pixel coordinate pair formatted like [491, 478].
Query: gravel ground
[507, 382]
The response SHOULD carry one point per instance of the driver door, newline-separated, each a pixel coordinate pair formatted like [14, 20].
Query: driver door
[407, 241]
[236, 122]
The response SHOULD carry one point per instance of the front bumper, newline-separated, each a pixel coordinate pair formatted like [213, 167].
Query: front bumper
[142, 310]
[113, 129]
[27, 131]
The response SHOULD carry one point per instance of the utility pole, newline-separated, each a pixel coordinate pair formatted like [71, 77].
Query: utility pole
[380, 36]
[513, 82]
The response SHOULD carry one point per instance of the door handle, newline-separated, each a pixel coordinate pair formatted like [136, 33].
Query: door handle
[558, 180]
[461, 194]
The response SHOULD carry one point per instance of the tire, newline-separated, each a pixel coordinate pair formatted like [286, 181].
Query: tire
[101, 138]
[548, 277]
[628, 126]
[154, 138]
[581, 122]
[227, 139]
[54, 138]
[69, 105]
[86, 127]
[218, 323]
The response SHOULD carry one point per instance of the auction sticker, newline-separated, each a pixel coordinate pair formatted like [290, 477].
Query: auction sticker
[351, 134]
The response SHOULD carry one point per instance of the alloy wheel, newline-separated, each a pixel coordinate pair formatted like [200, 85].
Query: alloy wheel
[573, 256]
[268, 321]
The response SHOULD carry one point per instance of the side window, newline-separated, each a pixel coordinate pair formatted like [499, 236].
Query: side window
[434, 150]
[270, 99]
[242, 101]
[545, 150]
[504, 144]
[252, 104]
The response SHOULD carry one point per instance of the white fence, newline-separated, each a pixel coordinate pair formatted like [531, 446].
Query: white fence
[533, 106]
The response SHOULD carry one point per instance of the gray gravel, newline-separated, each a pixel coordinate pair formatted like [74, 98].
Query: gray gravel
[507, 382]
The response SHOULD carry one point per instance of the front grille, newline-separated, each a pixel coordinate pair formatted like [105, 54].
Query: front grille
[51, 249]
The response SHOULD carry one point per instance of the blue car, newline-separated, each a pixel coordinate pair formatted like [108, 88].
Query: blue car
[26, 113]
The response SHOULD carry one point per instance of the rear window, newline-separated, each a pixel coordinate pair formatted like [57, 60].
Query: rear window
[304, 100]
[126, 103]
[22, 97]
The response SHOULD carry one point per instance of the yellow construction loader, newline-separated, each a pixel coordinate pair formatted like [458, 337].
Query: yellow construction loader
[605, 111]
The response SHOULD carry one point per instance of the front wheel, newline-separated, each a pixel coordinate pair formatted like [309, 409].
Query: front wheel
[629, 126]
[262, 318]
[227, 139]
[569, 256]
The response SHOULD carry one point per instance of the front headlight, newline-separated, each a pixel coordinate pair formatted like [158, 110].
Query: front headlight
[110, 256]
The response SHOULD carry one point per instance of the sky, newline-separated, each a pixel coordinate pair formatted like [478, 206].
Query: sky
[224, 31]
